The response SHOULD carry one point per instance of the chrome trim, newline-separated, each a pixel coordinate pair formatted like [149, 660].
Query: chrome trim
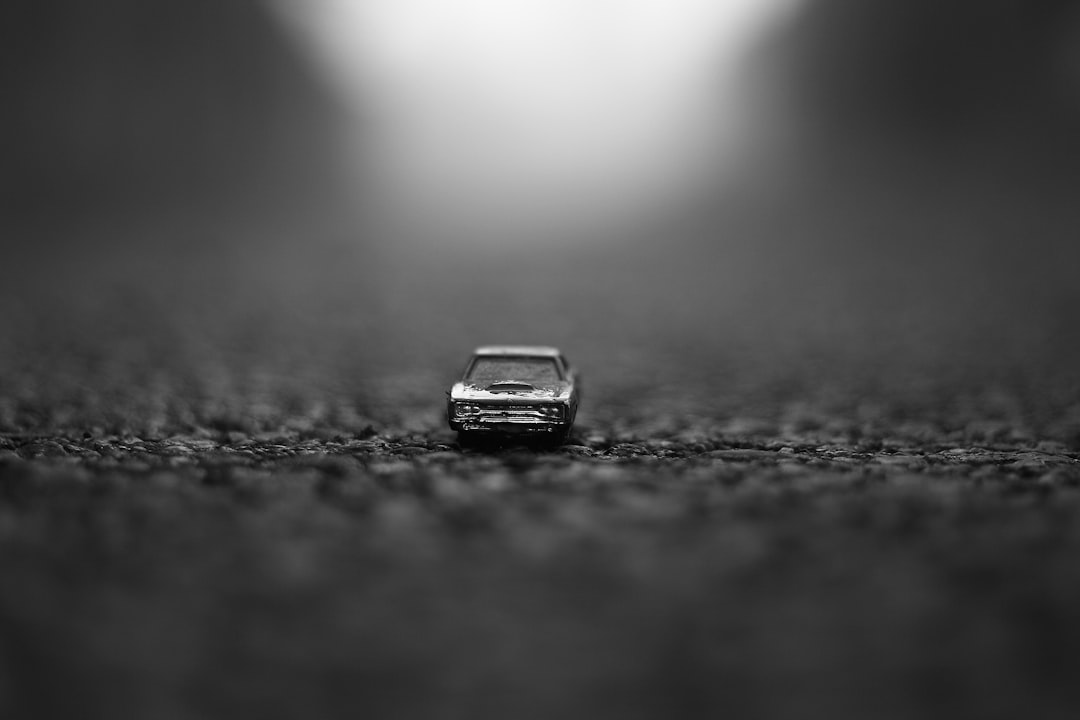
[511, 414]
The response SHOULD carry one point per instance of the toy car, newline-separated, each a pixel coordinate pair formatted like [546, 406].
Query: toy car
[514, 391]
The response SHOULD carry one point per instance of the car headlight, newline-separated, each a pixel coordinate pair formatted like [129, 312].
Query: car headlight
[465, 409]
[555, 412]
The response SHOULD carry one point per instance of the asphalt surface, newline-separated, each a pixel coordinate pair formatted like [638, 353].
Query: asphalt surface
[801, 484]
[293, 574]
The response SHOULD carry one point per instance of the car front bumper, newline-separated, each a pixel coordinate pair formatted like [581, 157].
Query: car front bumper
[509, 426]
[510, 419]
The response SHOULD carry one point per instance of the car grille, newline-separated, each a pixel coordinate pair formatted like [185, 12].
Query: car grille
[511, 412]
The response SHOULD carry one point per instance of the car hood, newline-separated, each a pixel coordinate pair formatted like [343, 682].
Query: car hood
[556, 390]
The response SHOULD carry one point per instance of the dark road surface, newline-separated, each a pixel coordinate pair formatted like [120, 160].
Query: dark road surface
[802, 485]
[311, 573]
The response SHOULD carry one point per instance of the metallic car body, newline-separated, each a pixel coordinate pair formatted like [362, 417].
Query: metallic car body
[515, 405]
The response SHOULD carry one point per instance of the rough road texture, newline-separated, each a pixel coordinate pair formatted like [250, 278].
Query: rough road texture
[227, 490]
[290, 575]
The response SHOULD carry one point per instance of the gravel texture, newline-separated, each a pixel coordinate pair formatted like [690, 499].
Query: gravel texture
[302, 573]
[227, 490]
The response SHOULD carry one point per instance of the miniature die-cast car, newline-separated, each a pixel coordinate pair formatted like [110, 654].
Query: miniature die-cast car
[514, 390]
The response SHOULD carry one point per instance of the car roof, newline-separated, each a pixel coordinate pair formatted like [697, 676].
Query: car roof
[518, 350]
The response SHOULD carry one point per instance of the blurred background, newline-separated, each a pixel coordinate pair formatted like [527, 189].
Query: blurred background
[301, 213]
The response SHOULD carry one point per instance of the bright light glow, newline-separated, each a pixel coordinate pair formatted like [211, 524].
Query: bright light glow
[534, 118]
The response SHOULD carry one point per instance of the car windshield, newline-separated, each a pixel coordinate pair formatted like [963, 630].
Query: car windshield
[488, 370]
